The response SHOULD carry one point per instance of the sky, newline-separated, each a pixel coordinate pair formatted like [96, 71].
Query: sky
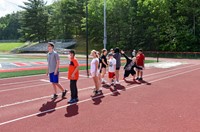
[10, 6]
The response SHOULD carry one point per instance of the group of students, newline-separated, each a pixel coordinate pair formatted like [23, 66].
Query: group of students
[98, 67]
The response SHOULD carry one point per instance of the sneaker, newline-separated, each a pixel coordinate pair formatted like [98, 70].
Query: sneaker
[137, 78]
[77, 99]
[140, 79]
[55, 96]
[117, 82]
[71, 101]
[64, 93]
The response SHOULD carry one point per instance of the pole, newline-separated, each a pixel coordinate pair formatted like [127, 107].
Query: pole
[87, 57]
[105, 32]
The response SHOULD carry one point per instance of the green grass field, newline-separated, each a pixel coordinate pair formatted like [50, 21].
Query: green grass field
[6, 47]
[37, 72]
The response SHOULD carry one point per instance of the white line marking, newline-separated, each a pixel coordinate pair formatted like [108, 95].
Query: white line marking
[25, 87]
[18, 82]
[64, 78]
[44, 80]
[35, 99]
[84, 76]
[89, 99]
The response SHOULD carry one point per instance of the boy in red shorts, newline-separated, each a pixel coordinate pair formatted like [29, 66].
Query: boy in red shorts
[140, 58]
[111, 68]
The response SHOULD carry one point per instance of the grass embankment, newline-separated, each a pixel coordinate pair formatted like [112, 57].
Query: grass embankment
[37, 72]
[7, 47]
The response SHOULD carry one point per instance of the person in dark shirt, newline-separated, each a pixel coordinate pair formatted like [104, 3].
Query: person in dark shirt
[117, 56]
[129, 67]
[104, 64]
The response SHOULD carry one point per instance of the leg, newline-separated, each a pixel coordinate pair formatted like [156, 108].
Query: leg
[54, 87]
[103, 74]
[117, 75]
[73, 88]
[60, 87]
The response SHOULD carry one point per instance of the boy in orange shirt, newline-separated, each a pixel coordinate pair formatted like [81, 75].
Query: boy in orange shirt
[73, 75]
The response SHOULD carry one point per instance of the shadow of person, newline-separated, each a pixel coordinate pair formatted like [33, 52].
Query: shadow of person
[143, 81]
[97, 99]
[114, 92]
[120, 87]
[72, 110]
[132, 82]
[48, 107]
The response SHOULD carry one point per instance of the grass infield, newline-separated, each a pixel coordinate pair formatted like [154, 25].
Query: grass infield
[37, 72]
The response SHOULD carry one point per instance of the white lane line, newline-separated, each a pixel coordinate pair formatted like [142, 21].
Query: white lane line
[89, 99]
[25, 87]
[64, 78]
[35, 99]
[84, 76]
[44, 80]
[18, 82]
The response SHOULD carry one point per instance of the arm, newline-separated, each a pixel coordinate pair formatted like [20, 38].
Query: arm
[57, 67]
[123, 53]
[96, 67]
[137, 67]
[104, 62]
[76, 69]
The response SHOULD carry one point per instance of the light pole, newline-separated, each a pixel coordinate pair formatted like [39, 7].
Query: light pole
[87, 56]
[105, 32]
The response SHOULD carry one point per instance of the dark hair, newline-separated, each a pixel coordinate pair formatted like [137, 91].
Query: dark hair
[117, 50]
[140, 50]
[51, 44]
[72, 52]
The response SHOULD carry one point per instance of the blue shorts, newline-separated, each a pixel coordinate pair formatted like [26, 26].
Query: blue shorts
[53, 78]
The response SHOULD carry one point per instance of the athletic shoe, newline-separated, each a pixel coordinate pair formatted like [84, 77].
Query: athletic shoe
[77, 99]
[140, 79]
[117, 82]
[55, 96]
[137, 78]
[71, 101]
[64, 93]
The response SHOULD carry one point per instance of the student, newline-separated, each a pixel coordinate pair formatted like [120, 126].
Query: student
[140, 58]
[111, 69]
[53, 70]
[104, 64]
[117, 56]
[129, 67]
[133, 53]
[73, 75]
[112, 51]
[95, 72]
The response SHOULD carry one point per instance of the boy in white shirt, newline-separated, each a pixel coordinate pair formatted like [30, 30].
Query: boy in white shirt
[111, 69]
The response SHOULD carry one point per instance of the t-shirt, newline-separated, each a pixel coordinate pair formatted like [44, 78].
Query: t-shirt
[52, 58]
[112, 65]
[140, 59]
[117, 56]
[93, 65]
[103, 57]
[72, 66]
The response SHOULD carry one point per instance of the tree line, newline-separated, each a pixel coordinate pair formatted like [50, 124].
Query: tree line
[159, 25]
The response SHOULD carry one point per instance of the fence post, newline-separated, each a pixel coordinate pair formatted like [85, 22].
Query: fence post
[157, 56]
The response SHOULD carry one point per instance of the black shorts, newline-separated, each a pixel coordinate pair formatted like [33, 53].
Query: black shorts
[103, 66]
[117, 68]
[127, 73]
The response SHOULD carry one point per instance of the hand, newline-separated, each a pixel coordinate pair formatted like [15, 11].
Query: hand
[47, 73]
[55, 73]
[72, 76]
[122, 51]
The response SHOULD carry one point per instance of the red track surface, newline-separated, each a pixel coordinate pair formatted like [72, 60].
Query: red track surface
[167, 101]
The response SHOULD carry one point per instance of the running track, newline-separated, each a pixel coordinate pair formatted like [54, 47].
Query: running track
[167, 102]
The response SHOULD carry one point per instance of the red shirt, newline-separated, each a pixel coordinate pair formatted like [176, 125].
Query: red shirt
[72, 66]
[140, 59]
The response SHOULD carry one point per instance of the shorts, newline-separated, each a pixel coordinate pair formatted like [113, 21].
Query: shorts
[93, 74]
[53, 78]
[111, 74]
[117, 68]
[127, 73]
[139, 69]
